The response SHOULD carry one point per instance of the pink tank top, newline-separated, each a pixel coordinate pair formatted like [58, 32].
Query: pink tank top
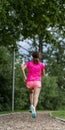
[34, 71]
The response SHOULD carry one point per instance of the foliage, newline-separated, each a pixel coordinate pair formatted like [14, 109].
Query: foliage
[5, 79]
[55, 62]
[30, 18]
[50, 95]
[21, 92]
[8, 24]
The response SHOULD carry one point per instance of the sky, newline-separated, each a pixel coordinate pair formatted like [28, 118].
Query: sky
[24, 46]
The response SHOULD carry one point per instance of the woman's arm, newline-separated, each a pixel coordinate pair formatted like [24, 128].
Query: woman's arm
[43, 72]
[23, 71]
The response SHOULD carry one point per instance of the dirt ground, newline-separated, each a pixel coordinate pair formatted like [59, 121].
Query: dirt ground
[24, 121]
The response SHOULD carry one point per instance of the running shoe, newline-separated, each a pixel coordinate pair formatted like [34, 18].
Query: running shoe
[33, 112]
[31, 108]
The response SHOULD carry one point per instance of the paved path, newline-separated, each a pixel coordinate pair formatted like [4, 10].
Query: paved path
[24, 121]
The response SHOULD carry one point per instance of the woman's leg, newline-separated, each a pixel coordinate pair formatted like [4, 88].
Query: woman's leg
[36, 96]
[31, 93]
[35, 101]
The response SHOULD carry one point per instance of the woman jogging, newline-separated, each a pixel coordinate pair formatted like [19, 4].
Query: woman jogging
[36, 70]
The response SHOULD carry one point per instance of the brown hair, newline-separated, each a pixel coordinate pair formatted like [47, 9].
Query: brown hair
[36, 57]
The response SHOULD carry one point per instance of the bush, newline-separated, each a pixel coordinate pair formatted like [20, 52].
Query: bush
[50, 98]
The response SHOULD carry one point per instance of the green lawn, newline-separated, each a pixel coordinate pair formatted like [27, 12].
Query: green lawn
[5, 112]
[59, 114]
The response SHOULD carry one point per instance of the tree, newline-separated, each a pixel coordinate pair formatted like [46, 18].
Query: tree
[9, 32]
[28, 19]
[5, 79]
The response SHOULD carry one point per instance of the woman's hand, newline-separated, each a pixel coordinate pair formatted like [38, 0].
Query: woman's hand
[25, 79]
[43, 73]
[24, 74]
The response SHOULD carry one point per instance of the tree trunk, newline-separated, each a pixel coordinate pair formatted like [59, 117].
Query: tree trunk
[41, 47]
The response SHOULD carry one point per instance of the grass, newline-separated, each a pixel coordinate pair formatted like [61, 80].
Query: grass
[5, 112]
[59, 114]
[15, 111]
